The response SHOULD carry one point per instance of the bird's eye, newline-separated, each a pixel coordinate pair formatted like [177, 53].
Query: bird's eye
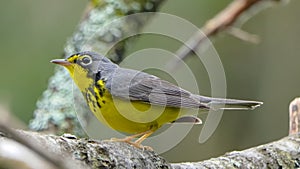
[86, 60]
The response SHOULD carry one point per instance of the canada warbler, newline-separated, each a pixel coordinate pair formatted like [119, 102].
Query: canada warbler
[112, 91]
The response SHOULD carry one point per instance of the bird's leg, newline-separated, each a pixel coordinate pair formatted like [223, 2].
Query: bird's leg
[141, 139]
[127, 139]
[138, 142]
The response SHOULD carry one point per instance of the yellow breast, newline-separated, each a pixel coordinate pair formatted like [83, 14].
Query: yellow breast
[127, 116]
[119, 114]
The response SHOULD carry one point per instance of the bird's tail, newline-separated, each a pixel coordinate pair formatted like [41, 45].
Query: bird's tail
[228, 104]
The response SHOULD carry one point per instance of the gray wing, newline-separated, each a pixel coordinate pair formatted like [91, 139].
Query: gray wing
[135, 85]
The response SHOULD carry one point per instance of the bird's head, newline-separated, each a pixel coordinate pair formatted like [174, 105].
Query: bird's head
[87, 63]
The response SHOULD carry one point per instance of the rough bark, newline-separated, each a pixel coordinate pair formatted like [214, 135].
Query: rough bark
[73, 152]
[284, 153]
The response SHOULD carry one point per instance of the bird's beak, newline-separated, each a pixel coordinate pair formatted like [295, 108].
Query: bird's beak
[62, 62]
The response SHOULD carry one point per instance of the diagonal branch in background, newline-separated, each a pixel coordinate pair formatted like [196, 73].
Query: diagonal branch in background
[221, 22]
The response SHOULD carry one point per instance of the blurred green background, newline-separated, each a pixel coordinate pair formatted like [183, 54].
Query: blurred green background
[33, 32]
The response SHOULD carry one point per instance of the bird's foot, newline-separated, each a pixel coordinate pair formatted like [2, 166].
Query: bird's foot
[136, 143]
[126, 139]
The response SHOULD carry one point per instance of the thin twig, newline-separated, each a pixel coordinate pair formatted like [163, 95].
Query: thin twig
[243, 35]
[221, 22]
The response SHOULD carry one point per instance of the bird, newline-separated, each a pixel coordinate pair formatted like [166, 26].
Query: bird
[136, 102]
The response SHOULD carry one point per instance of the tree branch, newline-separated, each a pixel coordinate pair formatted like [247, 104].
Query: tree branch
[221, 22]
[14, 135]
[284, 153]
[86, 152]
